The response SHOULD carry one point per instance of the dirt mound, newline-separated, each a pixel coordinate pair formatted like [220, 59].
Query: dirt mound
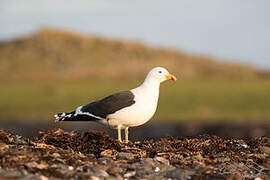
[90, 155]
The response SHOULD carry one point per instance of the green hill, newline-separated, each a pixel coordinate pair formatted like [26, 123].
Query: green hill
[56, 55]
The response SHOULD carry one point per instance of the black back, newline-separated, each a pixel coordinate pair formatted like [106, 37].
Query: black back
[110, 104]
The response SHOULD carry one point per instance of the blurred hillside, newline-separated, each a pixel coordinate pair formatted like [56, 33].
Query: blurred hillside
[57, 55]
[54, 71]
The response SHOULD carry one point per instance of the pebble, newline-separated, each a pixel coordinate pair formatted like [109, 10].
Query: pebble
[107, 153]
[198, 157]
[162, 160]
[125, 156]
[223, 159]
[114, 171]
[98, 171]
[62, 171]
[56, 155]
[130, 174]
[265, 149]
[10, 174]
[34, 177]
[157, 169]
[105, 161]
[144, 167]
[180, 174]
[95, 178]
[113, 178]
[70, 168]
[43, 177]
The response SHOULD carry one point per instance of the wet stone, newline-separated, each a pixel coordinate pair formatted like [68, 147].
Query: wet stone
[105, 161]
[162, 160]
[129, 174]
[108, 153]
[62, 171]
[145, 167]
[180, 174]
[155, 177]
[223, 159]
[265, 149]
[125, 156]
[113, 178]
[34, 177]
[98, 171]
[10, 174]
[198, 157]
[56, 155]
[163, 169]
[114, 171]
[95, 178]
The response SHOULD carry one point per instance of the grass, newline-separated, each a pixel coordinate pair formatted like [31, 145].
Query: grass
[187, 100]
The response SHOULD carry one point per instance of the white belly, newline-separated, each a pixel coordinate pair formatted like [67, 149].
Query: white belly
[137, 114]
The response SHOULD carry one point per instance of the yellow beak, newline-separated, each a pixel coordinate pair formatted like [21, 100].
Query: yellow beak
[171, 77]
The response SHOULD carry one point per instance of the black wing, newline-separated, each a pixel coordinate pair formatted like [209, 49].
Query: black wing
[110, 104]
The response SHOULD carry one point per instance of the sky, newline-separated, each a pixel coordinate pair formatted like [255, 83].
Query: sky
[237, 30]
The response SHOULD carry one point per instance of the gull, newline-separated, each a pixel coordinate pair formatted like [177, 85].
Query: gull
[126, 108]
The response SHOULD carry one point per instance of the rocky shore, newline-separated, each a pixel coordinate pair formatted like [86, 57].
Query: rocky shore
[57, 154]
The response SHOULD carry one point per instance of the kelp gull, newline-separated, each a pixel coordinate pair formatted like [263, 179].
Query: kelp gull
[124, 109]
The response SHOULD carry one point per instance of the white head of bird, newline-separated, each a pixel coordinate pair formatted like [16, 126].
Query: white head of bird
[159, 75]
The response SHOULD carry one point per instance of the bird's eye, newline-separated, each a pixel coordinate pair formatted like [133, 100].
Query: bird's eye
[160, 71]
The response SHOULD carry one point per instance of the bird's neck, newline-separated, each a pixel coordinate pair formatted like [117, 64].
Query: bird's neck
[150, 84]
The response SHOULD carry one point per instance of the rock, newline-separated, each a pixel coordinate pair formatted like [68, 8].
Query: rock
[223, 159]
[56, 155]
[180, 174]
[108, 153]
[156, 177]
[157, 169]
[265, 149]
[163, 169]
[95, 178]
[11, 174]
[70, 168]
[85, 168]
[129, 174]
[98, 171]
[198, 157]
[81, 155]
[61, 171]
[162, 160]
[114, 178]
[35, 165]
[101, 173]
[144, 167]
[34, 177]
[105, 161]
[43, 177]
[125, 156]
[114, 171]
[146, 164]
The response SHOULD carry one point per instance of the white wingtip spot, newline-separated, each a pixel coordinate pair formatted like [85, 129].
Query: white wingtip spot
[79, 112]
